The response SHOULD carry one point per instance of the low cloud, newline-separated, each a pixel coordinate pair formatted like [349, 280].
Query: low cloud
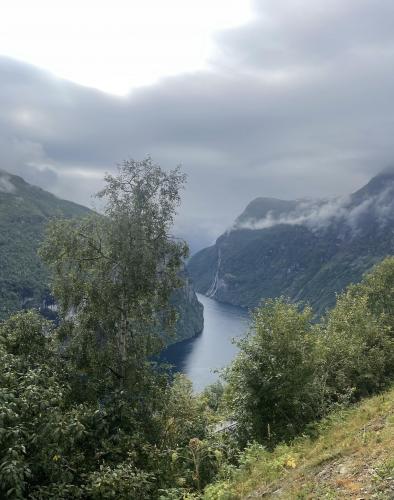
[318, 215]
[298, 103]
[6, 185]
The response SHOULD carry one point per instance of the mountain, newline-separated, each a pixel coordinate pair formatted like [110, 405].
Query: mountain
[304, 249]
[190, 320]
[24, 212]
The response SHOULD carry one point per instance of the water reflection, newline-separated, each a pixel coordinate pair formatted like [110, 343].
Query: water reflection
[199, 358]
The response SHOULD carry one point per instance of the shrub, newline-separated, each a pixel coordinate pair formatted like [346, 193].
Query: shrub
[272, 388]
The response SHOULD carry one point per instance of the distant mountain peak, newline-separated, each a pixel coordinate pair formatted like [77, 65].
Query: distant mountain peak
[374, 200]
[381, 183]
[387, 171]
[304, 249]
[263, 207]
[15, 185]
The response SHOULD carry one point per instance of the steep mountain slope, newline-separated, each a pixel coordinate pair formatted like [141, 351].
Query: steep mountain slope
[24, 212]
[190, 320]
[305, 249]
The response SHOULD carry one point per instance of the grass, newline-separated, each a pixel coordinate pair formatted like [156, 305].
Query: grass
[351, 457]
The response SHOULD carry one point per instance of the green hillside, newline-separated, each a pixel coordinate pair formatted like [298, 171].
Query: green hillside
[24, 211]
[307, 250]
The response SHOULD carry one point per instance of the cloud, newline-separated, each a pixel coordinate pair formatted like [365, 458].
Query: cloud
[297, 103]
[6, 185]
[318, 215]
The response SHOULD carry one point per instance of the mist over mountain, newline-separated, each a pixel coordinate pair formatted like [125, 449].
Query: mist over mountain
[306, 249]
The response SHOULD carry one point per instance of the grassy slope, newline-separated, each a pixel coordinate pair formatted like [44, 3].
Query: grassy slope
[352, 457]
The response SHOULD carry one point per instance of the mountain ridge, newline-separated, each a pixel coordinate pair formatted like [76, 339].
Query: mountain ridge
[305, 249]
[24, 211]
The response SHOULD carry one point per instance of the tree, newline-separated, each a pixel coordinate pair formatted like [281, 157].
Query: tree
[290, 372]
[113, 273]
[84, 412]
[272, 389]
[357, 341]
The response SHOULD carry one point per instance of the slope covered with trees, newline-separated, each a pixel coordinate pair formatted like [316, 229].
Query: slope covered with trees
[307, 250]
[86, 413]
[24, 212]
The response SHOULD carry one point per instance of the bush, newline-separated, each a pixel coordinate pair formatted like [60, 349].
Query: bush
[356, 349]
[290, 372]
[272, 385]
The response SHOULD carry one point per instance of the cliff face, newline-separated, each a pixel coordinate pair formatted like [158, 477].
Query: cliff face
[190, 311]
[306, 249]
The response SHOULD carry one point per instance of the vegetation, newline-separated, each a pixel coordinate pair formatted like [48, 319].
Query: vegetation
[291, 371]
[85, 412]
[58, 441]
[303, 262]
[349, 455]
[24, 212]
[113, 276]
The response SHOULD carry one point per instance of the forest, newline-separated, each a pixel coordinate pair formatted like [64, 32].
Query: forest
[87, 412]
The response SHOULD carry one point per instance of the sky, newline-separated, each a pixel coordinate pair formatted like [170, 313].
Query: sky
[279, 98]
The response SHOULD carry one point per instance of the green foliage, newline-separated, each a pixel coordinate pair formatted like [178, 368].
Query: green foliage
[356, 350]
[113, 275]
[121, 482]
[30, 403]
[378, 288]
[53, 445]
[214, 395]
[290, 372]
[24, 278]
[24, 212]
[183, 414]
[84, 413]
[272, 388]
[357, 337]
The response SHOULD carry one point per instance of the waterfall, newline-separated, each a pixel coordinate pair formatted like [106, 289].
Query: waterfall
[214, 286]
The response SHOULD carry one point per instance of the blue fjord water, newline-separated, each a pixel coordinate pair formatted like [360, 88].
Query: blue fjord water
[200, 357]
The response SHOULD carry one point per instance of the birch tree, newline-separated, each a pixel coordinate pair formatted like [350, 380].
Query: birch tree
[113, 273]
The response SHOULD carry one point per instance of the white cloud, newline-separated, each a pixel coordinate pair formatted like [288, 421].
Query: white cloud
[295, 103]
[320, 214]
[6, 185]
[116, 45]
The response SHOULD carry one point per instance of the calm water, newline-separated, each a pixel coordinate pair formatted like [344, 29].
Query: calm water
[199, 357]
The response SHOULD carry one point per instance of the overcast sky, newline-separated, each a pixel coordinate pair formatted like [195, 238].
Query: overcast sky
[282, 98]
